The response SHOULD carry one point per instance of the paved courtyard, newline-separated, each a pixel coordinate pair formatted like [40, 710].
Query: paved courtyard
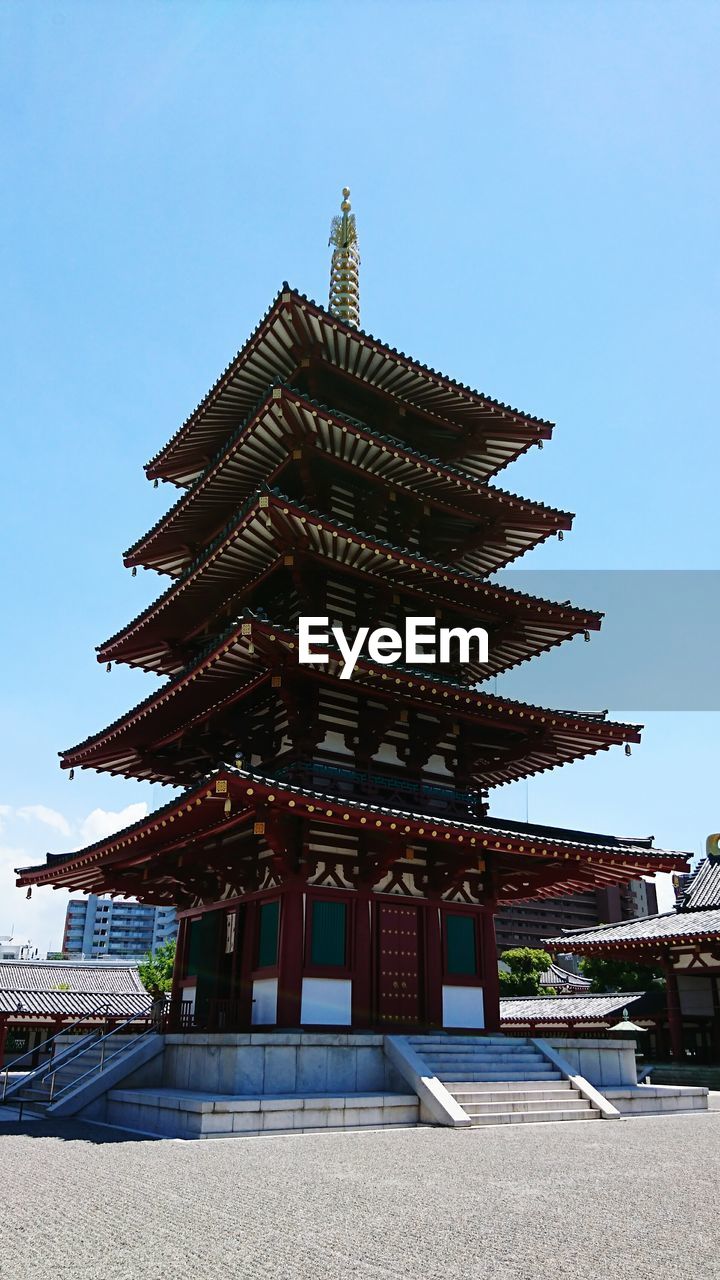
[601, 1201]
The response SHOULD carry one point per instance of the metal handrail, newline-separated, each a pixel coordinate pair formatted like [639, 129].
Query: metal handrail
[93, 1013]
[98, 1067]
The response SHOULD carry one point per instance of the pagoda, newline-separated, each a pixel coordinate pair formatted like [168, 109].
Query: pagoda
[330, 850]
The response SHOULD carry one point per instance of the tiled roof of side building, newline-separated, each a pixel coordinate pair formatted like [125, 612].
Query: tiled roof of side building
[71, 1004]
[88, 978]
[703, 891]
[557, 977]
[595, 1007]
[672, 925]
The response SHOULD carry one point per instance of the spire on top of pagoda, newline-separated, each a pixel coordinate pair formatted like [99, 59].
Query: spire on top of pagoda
[345, 266]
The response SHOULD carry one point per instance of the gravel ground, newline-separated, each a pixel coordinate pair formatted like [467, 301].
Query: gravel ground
[635, 1199]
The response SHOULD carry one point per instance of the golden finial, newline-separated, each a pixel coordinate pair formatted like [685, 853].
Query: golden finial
[345, 266]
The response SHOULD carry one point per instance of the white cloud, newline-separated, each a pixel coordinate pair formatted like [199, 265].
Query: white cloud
[49, 817]
[105, 822]
[41, 918]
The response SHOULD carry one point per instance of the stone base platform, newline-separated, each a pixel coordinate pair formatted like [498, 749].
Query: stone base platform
[193, 1114]
[658, 1099]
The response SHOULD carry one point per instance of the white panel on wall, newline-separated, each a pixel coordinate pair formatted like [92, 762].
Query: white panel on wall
[187, 995]
[264, 1008]
[326, 1001]
[463, 1007]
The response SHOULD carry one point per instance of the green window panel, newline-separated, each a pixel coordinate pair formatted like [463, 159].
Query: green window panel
[268, 934]
[460, 946]
[201, 949]
[329, 921]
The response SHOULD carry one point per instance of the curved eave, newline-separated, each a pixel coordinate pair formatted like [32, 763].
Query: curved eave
[652, 943]
[249, 544]
[295, 325]
[230, 796]
[259, 451]
[554, 738]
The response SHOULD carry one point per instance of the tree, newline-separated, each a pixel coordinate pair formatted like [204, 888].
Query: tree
[620, 975]
[156, 971]
[526, 967]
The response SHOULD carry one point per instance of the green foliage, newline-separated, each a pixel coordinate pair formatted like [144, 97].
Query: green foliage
[526, 966]
[156, 970]
[620, 975]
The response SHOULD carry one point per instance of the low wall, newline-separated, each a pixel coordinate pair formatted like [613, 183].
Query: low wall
[279, 1063]
[600, 1061]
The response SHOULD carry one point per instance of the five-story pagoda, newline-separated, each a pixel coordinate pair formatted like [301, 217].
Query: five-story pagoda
[330, 851]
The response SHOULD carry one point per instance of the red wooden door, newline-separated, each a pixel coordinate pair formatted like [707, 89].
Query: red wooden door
[398, 969]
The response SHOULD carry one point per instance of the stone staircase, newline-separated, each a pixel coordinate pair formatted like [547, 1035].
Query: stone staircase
[39, 1093]
[501, 1081]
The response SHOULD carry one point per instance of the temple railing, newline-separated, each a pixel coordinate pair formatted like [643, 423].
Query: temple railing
[182, 1016]
[382, 788]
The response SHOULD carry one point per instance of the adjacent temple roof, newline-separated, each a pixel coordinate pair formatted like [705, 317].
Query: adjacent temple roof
[60, 988]
[702, 892]
[557, 977]
[696, 919]
[590, 1009]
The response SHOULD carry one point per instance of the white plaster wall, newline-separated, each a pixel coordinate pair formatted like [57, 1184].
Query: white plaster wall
[463, 1007]
[264, 1008]
[326, 1001]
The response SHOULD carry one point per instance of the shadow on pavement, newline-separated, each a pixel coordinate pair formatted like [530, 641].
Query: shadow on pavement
[71, 1131]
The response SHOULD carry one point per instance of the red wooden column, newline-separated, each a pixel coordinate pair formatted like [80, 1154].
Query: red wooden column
[290, 954]
[243, 977]
[3, 1039]
[674, 1012]
[491, 981]
[362, 960]
[433, 964]
[179, 967]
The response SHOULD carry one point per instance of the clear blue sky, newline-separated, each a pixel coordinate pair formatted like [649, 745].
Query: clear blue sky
[536, 188]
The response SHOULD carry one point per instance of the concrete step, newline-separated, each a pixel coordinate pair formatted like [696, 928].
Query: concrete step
[472, 1051]
[451, 1040]
[501, 1077]
[532, 1117]
[526, 1105]
[477, 1095]
[517, 1060]
[505, 1087]
[30, 1106]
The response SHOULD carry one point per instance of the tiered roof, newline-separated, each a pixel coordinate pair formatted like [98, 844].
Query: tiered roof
[255, 653]
[485, 433]
[285, 421]
[270, 527]
[231, 798]
[382, 503]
